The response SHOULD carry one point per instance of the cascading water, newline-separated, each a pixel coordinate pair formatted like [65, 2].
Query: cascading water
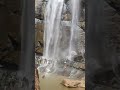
[63, 47]
[74, 29]
[61, 42]
[52, 30]
[55, 38]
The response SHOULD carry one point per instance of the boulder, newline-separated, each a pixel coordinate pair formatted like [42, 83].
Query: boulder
[74, 83]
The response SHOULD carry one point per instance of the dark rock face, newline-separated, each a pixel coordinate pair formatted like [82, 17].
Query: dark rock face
[10, 22]
[102, 46]
[115, 4]
[10, 46]
[78, 59]
[9, 80]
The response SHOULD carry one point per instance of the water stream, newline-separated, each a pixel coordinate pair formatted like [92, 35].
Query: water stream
[74, 30]
[60, 43]
[52, 29]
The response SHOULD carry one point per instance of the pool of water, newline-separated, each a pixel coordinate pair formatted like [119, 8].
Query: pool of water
[53, 82]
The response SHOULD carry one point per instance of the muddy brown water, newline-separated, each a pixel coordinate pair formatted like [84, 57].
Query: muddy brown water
[53, 82]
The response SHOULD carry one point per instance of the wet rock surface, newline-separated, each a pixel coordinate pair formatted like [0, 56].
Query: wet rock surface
[39, 37]
[9, 80]
[37, 82]
[79, 66]
[66, 16]
[73, 83]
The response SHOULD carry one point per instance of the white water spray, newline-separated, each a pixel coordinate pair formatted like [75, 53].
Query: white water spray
[61, 42]
[52, 29]
[75, 10]
[55, 37]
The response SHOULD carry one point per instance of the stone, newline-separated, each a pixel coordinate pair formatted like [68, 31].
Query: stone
[37, 82]
[78, 58]
[74, 83]
[71, 83]
[79, 65]
[40, 9]
[82, 82]
[39, 37]
[82, 25]
[67, 17]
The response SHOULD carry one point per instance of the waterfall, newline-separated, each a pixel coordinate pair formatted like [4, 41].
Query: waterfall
[52, 29]
[75, 9]
[61, 42]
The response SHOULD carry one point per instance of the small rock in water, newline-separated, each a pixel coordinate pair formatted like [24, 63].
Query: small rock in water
[43, 76]
[79, 65]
